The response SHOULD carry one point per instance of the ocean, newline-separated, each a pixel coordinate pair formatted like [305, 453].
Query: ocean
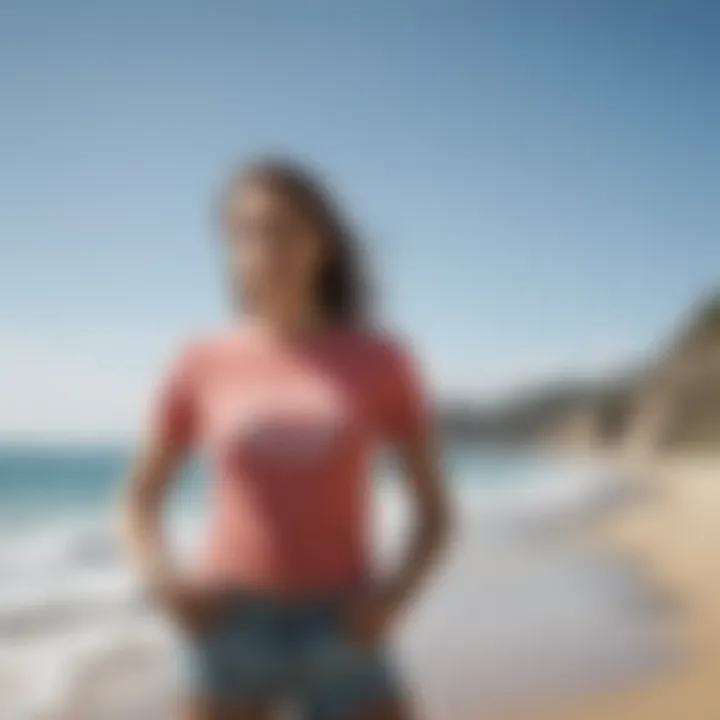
[519, 609]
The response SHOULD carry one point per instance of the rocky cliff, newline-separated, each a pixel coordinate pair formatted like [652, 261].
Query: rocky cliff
[677, 402]
[672, 403]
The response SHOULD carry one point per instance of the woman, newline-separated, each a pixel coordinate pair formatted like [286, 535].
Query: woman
[290, 405]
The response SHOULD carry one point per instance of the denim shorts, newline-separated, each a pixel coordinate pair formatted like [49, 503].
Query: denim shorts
[260, 649]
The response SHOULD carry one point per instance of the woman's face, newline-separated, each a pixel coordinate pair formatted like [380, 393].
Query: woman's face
[275, 251]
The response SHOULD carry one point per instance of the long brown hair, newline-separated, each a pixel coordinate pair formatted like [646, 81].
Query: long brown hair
[341, 288]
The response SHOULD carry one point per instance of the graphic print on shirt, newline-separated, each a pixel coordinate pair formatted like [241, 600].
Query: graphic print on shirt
[295, 427]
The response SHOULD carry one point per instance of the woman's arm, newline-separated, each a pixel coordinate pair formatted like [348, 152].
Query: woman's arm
[157, 466]
[371, 614]
[424, 479]
[153, 471]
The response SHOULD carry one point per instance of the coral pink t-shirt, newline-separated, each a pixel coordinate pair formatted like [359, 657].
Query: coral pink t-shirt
[290, 427]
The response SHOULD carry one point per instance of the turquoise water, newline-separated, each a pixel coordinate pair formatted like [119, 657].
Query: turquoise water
[39, 484]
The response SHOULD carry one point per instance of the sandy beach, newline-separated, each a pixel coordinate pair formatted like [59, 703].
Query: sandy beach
[675, 536]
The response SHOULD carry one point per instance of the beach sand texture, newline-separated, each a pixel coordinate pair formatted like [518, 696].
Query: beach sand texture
[676, 536]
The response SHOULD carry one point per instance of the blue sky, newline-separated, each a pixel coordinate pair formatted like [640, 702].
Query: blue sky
[538, 180]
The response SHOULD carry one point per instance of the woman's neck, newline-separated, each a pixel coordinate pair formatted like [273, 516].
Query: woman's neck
[291, 323]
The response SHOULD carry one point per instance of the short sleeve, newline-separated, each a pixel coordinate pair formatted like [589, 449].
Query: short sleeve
[405, 411]
[174, 412]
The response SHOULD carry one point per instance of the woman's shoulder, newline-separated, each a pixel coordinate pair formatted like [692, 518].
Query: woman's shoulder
[200, 348]
[380, 345]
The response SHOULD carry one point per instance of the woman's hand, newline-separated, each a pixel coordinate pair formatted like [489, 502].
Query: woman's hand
[368, 617]
[194, 607]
